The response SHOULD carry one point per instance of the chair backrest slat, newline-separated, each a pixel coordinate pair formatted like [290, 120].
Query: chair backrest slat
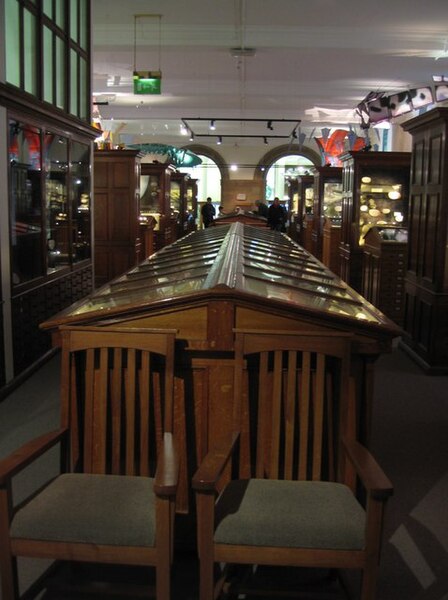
[89, 393]
[144, 413]
[116, 409]
[304, 413]
[290, 410]
[130, 411]
[318, 415]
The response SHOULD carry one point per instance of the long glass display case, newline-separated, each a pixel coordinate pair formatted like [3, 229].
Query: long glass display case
[260, 265]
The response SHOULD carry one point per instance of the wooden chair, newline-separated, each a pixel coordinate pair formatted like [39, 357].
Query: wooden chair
[114, 499]
[281, 491]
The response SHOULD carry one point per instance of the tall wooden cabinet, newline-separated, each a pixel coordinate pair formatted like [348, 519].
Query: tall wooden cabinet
[426, 318]
[375, 191]
[117, 212]
[327, 199]
[155, 201]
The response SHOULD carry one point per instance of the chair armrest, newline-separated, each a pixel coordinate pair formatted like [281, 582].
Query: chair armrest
[214, 463]
[26, 454]
[167, 473]
[372, 476]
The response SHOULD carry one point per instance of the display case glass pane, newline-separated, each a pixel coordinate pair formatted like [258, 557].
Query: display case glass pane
[175, 202]
[26, 203]
[60, 73]
[56, 202]
[60, 13]
[332, 200]
[83, 18]
[308, 203]
[29, 52]
[74, 90]
[83, 95]
[12, 42]
[74, 27]
[382, 201]
[81, 213]
[150, 192]
[48, 8]
[48, 65]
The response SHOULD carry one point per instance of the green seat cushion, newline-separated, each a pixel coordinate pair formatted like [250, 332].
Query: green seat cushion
[291, 514]
[100, 509]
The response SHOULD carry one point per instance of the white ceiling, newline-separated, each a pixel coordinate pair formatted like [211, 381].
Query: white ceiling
[314, 61]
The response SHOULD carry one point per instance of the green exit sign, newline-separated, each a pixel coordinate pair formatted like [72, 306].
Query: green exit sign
[147, 82]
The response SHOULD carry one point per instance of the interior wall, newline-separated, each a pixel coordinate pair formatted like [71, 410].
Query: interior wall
[242, 193]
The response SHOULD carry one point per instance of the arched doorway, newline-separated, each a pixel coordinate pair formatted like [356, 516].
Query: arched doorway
[280, 169]
[209, 173]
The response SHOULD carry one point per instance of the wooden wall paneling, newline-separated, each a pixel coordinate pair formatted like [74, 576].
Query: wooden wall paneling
[426, 321]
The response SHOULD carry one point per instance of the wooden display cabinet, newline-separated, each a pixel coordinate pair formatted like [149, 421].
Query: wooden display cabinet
[179, 202]
[305, 205]
[155, 185]
[375, 192]
[192, 204]
[331, 240]
[426, 319]
[327, 203]
[116, 212]
[384, 268]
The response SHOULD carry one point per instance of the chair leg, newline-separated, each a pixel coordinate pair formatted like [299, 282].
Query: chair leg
[9, 576]
[206, 578]
[163, 575]
[368, 583]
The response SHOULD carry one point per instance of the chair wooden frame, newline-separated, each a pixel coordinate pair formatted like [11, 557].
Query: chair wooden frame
[354, 463]
[88, 447]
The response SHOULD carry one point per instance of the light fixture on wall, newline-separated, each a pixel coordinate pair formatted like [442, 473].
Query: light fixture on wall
[219, 140]
[212, 126]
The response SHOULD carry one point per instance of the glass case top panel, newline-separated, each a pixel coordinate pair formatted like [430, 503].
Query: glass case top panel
[247, 260]
[139, 296]
[277, 291]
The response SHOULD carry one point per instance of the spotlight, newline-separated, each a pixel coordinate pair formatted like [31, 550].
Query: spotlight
[212, 125]
[294, 134]
[265, 140]
[191, 136]
[269, 125]
[219, 141]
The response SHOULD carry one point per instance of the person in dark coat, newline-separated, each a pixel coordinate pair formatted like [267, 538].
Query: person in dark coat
[276, 216]
[208, 213]
[262, 209]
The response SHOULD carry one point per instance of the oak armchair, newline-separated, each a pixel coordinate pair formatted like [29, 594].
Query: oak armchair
[114, 499]
[282, 491]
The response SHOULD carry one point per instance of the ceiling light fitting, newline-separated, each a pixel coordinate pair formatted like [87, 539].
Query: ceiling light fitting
[187, 125]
